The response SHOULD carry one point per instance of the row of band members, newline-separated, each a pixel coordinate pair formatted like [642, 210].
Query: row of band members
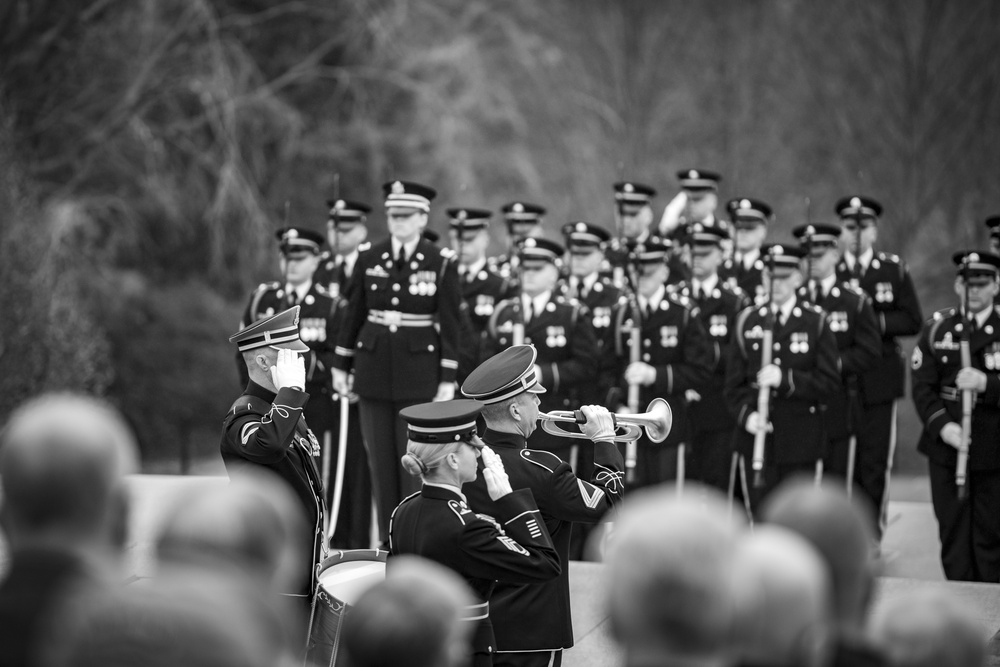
[399, 322]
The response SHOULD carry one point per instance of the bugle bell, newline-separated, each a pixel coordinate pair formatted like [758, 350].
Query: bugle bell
[656, 420]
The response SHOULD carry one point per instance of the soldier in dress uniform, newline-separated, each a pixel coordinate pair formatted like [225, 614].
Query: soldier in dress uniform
[559, 328]
[346, 231]
[969, 528]
[697, 201]
[750, 218]
[532, 623]
[266, 426]
[851, 319]
[717, 306]
[887, 281]
[676, 356]
[482, 288]
[524, 220]
[634, 222]
[510, 546]
[399, 335]
[802, 374]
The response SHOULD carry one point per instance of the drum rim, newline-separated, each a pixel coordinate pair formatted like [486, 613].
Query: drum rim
[351, 555]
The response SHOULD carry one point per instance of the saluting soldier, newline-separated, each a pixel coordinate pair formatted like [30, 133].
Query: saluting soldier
[717, 306]
[676, 356]
[851, 319]
[346, 231]
[266, 427]
[399, 335]
[482, 288]
[559, 328]
[887, 281]
[969, 528]
[803, 372]
[511, 546]
[634, 223]
[750, 219]
[696, 202]
[533, 623]
[523, 220]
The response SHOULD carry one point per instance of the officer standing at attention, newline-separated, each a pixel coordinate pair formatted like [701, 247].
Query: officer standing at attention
[803, 372]
[510, 546]
[266, 427]
[887, 281]
[717, 306]
[750, 218]
[969, 528]
[346, 231]
[851, 319]
[400, 336]
[676, 356]
[524, 220]
[559, 328]
[532, 622]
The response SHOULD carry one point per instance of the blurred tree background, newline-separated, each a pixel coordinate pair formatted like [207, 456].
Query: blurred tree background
[148, 147]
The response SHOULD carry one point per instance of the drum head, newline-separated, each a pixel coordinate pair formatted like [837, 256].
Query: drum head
[347, 574]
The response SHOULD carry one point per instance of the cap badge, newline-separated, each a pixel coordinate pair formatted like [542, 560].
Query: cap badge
[855, 202]
[529, 242]
[777, 250]
[973, 257]
[744, 203]
[628, 187]
[810, 230]
[339, 204]
[693, 174]
[581, 227]
[398, 188]
[463, 214]
[518, 208]
[292, 234]
[698, 227]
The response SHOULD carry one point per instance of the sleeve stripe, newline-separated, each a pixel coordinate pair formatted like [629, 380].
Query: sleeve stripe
[520, 515]
[449, 363]
[344, 351]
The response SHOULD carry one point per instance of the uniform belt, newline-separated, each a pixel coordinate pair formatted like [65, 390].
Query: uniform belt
[476, 612]
[955, 394]
[394, 318]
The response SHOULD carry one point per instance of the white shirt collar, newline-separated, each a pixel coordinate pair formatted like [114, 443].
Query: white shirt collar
[300, 291]
[410, 247]
[475, 267]
[707, 286]
[538, 303]
[348, 261]
[866, 259]
[982, 316]
[653, 302]
[827, 283]
[749, 257]
[785, 309]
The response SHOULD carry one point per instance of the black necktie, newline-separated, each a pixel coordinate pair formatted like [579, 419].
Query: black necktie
[529, 311]
[401, 258]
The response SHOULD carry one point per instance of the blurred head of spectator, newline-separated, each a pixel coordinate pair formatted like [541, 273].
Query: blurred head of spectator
[929, 628]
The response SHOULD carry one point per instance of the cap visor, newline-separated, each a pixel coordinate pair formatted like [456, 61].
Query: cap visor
[537, 389]
[293, 345]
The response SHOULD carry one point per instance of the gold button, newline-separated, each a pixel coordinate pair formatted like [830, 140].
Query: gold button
[395, 301]
[395, 287]
[393, 328]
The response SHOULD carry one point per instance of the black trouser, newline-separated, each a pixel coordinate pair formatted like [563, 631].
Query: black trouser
[528, 659]
[710, 458]
[384, 434]
[876, 440]
[969, 529]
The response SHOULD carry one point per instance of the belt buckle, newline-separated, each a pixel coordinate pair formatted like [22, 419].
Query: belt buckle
[393, 318]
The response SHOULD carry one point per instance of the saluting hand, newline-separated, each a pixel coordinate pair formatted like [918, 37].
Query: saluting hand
[497, 482]
[289, 370]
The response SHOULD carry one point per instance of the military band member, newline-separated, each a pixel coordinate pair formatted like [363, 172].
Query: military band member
[750, 218]
[559, 328]
[851, 319]
[969, 528]
[399, 335]
[676, 356]
[532, 623]
[346, 231]
[803, 372]
[523, 220]
[510, 546]
[717, 306]
[887, 281]
[266, 427]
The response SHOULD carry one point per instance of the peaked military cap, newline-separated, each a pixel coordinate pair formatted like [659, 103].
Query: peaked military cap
[854, 205]
[993, 222]
[977, 263]
[520, 211]
[745, 209]
[407, 194]
[442, 422]
[653, 251]
[630, 192]
[817, 235]
[295, 240]
[698, 179]
[698, 233]
[535, 250]
[469, 219]
[430, 235]
[504, 376]
[277, 331]
[346, 212]
[584, 236]
[782, 259]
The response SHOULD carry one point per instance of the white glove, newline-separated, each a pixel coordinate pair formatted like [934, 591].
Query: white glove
[497, 483]
[289, 370]
[600, 425]
[951, 433]
[769, 376]
[342, 382]
[445, 392]
[639, 372]
[971, 378]
[755, 423]
[691, 396]
[672, 213]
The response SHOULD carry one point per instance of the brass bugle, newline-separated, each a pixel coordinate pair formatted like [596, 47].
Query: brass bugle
[656, 420]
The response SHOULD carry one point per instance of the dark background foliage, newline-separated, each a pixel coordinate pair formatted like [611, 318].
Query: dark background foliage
[148, 149]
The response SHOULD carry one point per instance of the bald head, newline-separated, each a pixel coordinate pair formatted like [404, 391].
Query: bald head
[839, 531]
[929, 628]
[63, 458]
[668, 574]
[782, 600]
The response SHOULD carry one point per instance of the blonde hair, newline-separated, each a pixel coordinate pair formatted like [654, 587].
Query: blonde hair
[423, 457]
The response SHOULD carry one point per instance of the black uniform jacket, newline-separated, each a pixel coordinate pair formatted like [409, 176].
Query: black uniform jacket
[749, 280]
[537, 617]
[717, 311]
[567, 348]
[268, 430]
[675, 343]
[510, 545]
[481, 292]
[935, 363]
[806, 351]
[850, 317]
[600, 301]
[393, 361]
[897, 313]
